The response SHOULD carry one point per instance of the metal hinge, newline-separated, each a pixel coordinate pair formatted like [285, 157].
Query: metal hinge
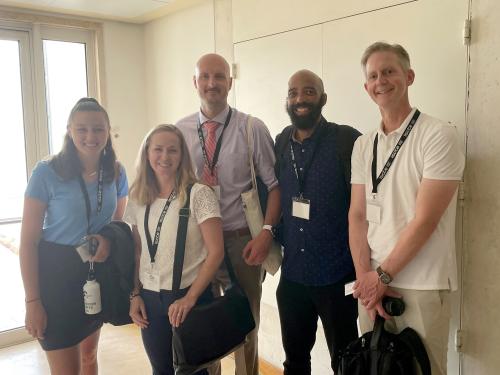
[461, 193]
[234, 69]
[467, 32]
[459, 340]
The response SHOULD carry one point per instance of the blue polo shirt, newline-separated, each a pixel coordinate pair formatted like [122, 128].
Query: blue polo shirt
[65, 220]
[316, 251]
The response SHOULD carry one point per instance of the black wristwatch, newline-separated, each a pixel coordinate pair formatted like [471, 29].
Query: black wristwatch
[384, 277]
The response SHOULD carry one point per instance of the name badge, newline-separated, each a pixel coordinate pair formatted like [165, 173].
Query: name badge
[300, 208]
[217, 191]
[152, 279]
[373, 212]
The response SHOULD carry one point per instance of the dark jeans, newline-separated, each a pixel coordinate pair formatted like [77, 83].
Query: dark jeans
[299, 308]
[157, 338]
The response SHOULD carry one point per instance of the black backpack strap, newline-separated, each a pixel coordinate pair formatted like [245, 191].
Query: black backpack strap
[280, 144]
[344, 137]
[180, 243]
[411, 338]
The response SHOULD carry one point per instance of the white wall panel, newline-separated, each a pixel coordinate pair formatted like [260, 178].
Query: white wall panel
[430, 30]
[264, 66]
[257, 18]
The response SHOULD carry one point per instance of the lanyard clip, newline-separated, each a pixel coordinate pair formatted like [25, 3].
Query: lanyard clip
[374, 196]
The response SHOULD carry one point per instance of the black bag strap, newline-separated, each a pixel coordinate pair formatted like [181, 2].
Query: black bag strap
[180, 247]
[180, 243]
[280, 146]
[411, 338]
[378, 330]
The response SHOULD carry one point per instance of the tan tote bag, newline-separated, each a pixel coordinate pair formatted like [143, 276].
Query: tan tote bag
[253, 211]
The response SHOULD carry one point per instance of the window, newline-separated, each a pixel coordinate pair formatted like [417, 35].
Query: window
[44, 71]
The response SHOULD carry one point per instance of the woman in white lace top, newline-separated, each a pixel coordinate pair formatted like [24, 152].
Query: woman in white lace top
[164, 171]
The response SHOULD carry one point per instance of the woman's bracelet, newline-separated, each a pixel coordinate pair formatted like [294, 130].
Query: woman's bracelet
[32, 300]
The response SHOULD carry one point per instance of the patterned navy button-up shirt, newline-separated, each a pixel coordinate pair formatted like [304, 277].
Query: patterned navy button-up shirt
[316, 251]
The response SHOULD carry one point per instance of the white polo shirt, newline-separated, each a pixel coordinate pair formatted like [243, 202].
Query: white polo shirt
[203, 206]
[432, 151]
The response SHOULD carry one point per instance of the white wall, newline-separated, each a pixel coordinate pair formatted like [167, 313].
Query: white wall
[124, 88]
[173, 44]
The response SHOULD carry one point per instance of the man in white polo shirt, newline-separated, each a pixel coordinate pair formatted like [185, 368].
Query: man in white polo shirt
[405, 176]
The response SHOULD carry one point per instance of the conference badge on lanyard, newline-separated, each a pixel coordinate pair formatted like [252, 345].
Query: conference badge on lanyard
[301, 207]
[152, 279]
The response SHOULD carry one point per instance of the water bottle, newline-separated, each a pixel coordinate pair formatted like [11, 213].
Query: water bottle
[92, 295]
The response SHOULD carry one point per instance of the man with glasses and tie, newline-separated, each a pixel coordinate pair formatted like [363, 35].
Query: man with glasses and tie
[217, 139]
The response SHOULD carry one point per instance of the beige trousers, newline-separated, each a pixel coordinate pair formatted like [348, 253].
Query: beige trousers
[250, 278]
[428, 313]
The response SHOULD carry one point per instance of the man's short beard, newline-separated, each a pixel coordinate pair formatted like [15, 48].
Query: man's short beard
[307, 121]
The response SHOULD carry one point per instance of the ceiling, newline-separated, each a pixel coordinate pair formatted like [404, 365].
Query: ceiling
[136, 11]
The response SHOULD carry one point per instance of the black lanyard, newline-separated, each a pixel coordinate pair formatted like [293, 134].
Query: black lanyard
[301, 177]
[153, 245]
[211, 165]
[376, 180]
[83, 187]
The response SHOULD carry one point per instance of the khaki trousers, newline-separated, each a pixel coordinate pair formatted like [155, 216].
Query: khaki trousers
[428, 313]
[250, 278]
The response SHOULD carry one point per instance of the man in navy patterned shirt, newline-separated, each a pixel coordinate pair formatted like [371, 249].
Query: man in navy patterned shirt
[313, 169]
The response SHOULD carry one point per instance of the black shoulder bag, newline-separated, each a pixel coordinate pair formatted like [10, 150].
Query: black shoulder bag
[212, 330]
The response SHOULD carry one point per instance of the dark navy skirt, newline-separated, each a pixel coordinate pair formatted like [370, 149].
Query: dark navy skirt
[62, 275]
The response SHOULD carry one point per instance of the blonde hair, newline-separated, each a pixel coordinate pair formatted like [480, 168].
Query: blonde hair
[397, 49]
[145, 188]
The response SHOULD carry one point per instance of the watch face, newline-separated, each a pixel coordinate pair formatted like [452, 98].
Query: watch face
[385, 278]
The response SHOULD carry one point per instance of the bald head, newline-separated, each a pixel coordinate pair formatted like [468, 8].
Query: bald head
[212, 60]
[212, 80]
[309, 77]
[305, 100]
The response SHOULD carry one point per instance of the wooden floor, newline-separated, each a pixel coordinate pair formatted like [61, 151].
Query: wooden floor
[120, 352]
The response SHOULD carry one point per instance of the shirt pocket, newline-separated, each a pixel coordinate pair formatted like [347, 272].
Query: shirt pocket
[234, 167]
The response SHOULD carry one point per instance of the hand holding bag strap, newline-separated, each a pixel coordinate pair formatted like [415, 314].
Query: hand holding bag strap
[180, 243]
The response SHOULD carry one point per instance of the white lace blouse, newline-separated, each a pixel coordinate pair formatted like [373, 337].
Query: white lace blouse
[203, 205]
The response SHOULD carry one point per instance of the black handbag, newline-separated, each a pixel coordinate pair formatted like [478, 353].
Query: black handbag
[213, 330]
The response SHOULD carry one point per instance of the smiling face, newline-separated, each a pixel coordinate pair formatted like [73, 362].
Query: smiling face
[89, 131]
[305, 99]
[212, 81]
[164, 154]
[387, 81]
